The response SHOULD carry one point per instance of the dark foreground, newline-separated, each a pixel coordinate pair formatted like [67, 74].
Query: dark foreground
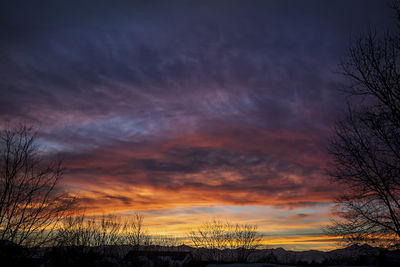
[158, 256]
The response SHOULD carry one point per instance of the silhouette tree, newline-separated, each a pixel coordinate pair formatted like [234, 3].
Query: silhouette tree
[102, 231]
[91, 231]
[217, 235]
[366, 145]
[134, 231]
[31, 204]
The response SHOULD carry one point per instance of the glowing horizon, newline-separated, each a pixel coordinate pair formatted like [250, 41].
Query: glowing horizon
[187, 111]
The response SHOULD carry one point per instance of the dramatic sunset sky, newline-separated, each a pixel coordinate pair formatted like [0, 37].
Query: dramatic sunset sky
[190, 110]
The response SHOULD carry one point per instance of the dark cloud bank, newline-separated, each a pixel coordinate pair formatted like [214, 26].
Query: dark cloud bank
[221, 98]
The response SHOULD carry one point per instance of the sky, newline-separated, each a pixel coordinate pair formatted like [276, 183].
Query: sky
[188, 110]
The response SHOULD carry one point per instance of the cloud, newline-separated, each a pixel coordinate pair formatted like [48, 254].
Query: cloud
[222, 168]
[142, 68]
[163, 105]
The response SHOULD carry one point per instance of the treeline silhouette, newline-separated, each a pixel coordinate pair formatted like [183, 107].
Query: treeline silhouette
[40, 220]
[217, 235]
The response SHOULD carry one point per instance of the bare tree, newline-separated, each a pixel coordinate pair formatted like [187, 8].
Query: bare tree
[366, 146]
[134, 231]
[91, 231]
[31, 203]
[74, 231]
[245, 238]
[217, 235]
[106, 234]
[213, 235]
